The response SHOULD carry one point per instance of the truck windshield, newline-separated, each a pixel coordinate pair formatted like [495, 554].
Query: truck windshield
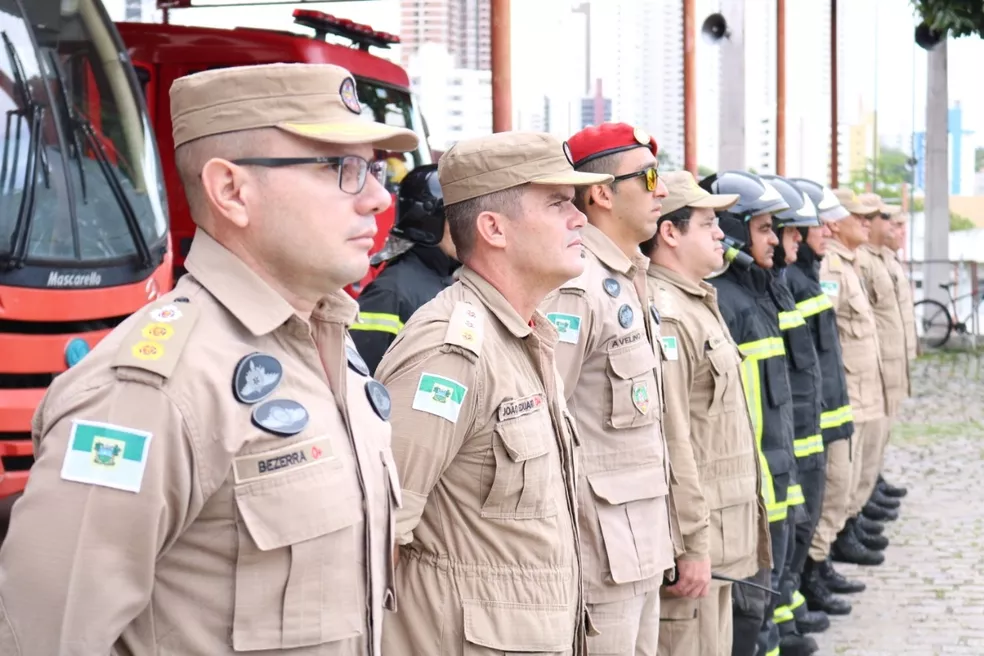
[393, 106]
[80, 175]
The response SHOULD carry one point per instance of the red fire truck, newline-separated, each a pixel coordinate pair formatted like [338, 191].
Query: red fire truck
[163, 52]
[84, 238]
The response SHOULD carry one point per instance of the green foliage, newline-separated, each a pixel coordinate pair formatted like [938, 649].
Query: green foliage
[958, 17]
[958, 223]
[703, 172]
[979, 159]
[893, 170]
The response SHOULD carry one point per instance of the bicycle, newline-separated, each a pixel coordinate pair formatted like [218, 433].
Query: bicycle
[938, 322]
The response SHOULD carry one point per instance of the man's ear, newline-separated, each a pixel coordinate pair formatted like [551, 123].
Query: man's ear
[601, 195]
[224, 184]
[491, 228]
[668, 233]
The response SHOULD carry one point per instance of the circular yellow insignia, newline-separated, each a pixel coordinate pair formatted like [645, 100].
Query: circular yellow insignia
[147, 351]
[641, 136]
[158, 331]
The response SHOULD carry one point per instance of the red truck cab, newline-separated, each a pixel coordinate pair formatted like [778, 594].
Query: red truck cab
[162, 53]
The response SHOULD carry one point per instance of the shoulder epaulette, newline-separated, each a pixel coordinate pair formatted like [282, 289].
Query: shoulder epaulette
[668, 306]
[466, 327]
[158, 336]
[577, 285]
[835, 263]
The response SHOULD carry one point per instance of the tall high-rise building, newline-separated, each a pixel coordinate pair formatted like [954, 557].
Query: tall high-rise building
[461, 26]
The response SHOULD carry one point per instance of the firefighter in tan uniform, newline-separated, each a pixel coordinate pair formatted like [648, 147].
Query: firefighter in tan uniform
[216, 476]
[877, 267]
[841, 280]
[611, 375]
[483, 440]
[708, 430]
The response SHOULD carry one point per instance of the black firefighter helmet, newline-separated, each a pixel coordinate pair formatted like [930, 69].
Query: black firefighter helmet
[420, 207]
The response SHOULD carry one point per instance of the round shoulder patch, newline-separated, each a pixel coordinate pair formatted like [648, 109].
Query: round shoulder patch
[655, 313]
[355, 361]
[379, 399]
[256, 377]
[625, 316]
[281, 417]
[349, 97]
[612, 287]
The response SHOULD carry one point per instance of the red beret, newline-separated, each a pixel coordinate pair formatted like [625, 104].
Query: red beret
[607, 139]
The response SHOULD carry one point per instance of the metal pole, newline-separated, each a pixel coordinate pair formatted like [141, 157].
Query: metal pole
[780, 87]
[834, 176]
[689, 89]
[501, 68]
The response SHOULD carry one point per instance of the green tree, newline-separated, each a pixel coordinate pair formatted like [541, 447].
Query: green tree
[958, 17]
[979, 159]
[892, 171]
[958, 223]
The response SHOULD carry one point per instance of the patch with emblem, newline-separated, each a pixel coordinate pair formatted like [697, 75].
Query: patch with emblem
[288, 458]
[144, 350]
[166, 313]
[655, 314]
[625, 316]
[640, 397]
[379, 399]
[439, 396]
[355, 361]
[160, 332]
[568, 326]
[281, 417]
[830, 287]
[670, 347]
[349, 97]
[612, 287]
[641, 136]
[519, 407]
[107, 455]
[256, 377]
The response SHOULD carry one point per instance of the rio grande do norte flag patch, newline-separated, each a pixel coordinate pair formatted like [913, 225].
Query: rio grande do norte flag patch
[439, 396]
[107, 455]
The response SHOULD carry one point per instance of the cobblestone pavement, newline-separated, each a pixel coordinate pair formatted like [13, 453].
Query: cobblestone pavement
[927, 598]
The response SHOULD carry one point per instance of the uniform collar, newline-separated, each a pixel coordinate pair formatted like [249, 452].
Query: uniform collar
[248, 297]
[495, 302]
[700, 290]
[842, 250]
[610, 254]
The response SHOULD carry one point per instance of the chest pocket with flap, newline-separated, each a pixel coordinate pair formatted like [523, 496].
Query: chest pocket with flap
[723, 358]
[300, 564]
[526, 465]
[632, 381]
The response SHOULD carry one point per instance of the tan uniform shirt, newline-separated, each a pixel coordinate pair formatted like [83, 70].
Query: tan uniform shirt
[612, 378]
[166, 515]
[841, 280]
[484, 447]
[716, 472]
[903, 291]
[884, 301]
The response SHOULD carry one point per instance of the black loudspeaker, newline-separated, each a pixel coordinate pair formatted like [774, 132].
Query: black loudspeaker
[926, 37]
[715, 28]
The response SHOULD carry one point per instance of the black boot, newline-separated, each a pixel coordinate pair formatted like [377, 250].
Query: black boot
[795, 644]
[891, 490]
[848, 549]
[879, 513]
[873, 542]
[816, 593]
[869, 526]
[811, 621]
[837, 582]
[883, 500]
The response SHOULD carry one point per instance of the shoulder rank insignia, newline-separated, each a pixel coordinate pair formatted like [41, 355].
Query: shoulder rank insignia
[281, 417]
[256, 377]
[466, 327]
[159, 335]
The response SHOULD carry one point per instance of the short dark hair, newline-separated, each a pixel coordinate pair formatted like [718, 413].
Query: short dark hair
[607, 164]
[679, 217]
[461, 216]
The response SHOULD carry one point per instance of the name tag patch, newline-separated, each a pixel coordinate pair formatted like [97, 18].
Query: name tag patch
[288, 458]
[625, 340]
[520, 407]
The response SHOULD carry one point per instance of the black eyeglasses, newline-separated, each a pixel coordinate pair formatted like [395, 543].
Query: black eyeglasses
[353, 170]
[652, 177]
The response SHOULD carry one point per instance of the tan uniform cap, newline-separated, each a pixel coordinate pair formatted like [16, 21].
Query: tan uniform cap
[874, 200]
[315, 101]
[853, 204]
[485, 165]
[684, 192]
